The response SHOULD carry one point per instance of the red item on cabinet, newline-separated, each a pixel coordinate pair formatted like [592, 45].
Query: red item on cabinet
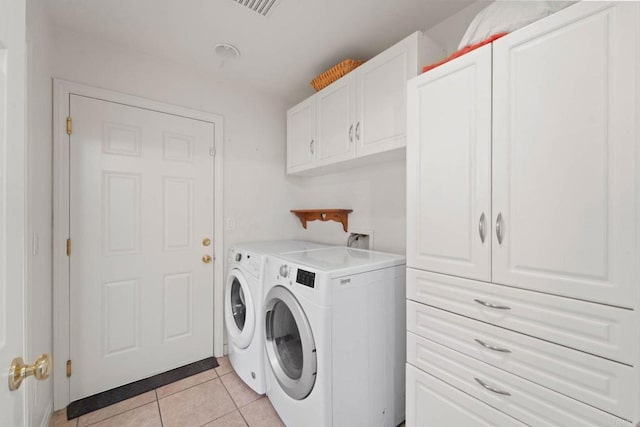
[462, 51]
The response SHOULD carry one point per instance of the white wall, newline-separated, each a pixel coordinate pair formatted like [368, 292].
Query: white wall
[255, 191]
[377, 195]
[39, 209]
[449, 32]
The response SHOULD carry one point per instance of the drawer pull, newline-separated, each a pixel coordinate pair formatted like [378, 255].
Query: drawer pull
[494, 390]
[488, 304]
[491, 347]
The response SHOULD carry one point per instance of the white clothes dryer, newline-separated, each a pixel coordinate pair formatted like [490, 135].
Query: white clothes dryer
[243, 303]
[335, 337]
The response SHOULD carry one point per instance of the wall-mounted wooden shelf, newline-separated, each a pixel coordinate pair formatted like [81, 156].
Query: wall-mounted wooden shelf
[339, 215]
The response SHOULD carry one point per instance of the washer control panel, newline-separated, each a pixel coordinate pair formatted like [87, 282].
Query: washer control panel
[306, 278]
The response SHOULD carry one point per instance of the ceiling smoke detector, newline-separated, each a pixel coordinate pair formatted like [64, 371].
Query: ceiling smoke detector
[227, 51]
[263, 7]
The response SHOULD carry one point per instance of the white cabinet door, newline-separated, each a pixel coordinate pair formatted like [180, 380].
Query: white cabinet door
[565, 138]
[301, 122]
[449, 168]
[431, 402]
[335, 126]
[382, 99]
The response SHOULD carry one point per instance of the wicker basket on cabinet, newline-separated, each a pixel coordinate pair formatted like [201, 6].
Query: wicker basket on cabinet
[334, 73]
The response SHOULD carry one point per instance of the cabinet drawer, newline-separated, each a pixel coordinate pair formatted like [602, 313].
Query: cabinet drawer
[431, 402]
[602, 383]
[593, 328]
[524, 400]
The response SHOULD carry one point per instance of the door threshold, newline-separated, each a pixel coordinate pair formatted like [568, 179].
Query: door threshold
[106, 398]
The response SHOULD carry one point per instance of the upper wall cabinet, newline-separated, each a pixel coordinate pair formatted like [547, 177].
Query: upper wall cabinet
[530, 178]
[360, 118]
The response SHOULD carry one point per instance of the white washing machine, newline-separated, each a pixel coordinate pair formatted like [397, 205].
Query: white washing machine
[243, 303]
[335, 337]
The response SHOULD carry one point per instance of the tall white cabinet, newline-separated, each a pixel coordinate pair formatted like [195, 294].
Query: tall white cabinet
[523, 243]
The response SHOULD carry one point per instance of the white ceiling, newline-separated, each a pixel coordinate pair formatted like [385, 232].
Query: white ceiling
[281, 53]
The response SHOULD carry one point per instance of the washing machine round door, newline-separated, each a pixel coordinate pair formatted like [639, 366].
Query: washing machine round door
[239, 310]
[291, 350]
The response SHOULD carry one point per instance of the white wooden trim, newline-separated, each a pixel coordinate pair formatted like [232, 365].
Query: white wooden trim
[48, 413]
[62, 90]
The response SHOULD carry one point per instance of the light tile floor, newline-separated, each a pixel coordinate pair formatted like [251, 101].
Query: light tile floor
[214, 398]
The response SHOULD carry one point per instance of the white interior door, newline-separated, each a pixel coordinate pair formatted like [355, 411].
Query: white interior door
[449, 168]
[12, 200]
[565, 147]
[141, 203]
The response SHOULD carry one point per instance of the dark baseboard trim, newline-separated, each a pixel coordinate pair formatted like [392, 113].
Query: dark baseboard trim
[109, 397]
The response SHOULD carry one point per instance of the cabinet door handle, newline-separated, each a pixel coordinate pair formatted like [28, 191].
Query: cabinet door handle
[482, 225]
[490, 305]
[351, 133]
[492, 347]
[358, 131]
[499, 228]
[492, 389]
[311, 147]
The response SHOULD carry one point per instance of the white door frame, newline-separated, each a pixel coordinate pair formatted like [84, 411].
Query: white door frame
[13, 219]
[62, 90]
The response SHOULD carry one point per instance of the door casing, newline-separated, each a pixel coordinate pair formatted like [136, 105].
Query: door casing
[61, 339]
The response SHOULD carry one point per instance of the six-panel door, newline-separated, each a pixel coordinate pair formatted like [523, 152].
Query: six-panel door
[141, 203]
[449, 168]
[565, 142]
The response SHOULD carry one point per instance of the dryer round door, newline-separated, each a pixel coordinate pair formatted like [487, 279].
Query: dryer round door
[239, 309]
[291, 349]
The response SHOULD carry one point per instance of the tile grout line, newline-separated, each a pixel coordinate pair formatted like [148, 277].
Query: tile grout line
[260, 396]
[243, 418]
[114, 415]
[228, 392]
[217, 377]
[232, 399]
[158, 405]
[221, 416]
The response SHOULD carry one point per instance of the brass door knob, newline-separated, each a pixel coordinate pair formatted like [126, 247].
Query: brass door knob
[18, 371]
[206, 241]
[206, 259]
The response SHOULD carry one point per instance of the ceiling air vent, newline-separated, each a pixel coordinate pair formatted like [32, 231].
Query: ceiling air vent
[263, 7]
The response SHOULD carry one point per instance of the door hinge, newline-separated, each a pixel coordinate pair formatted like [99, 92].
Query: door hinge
[212, 152]
[68, 247]
[68, 368]
[69, 125]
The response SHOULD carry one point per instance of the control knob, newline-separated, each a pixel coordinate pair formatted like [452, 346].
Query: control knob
[284, 270]
[238, 257]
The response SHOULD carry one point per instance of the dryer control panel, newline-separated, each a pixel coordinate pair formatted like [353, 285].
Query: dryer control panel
[306, 278]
